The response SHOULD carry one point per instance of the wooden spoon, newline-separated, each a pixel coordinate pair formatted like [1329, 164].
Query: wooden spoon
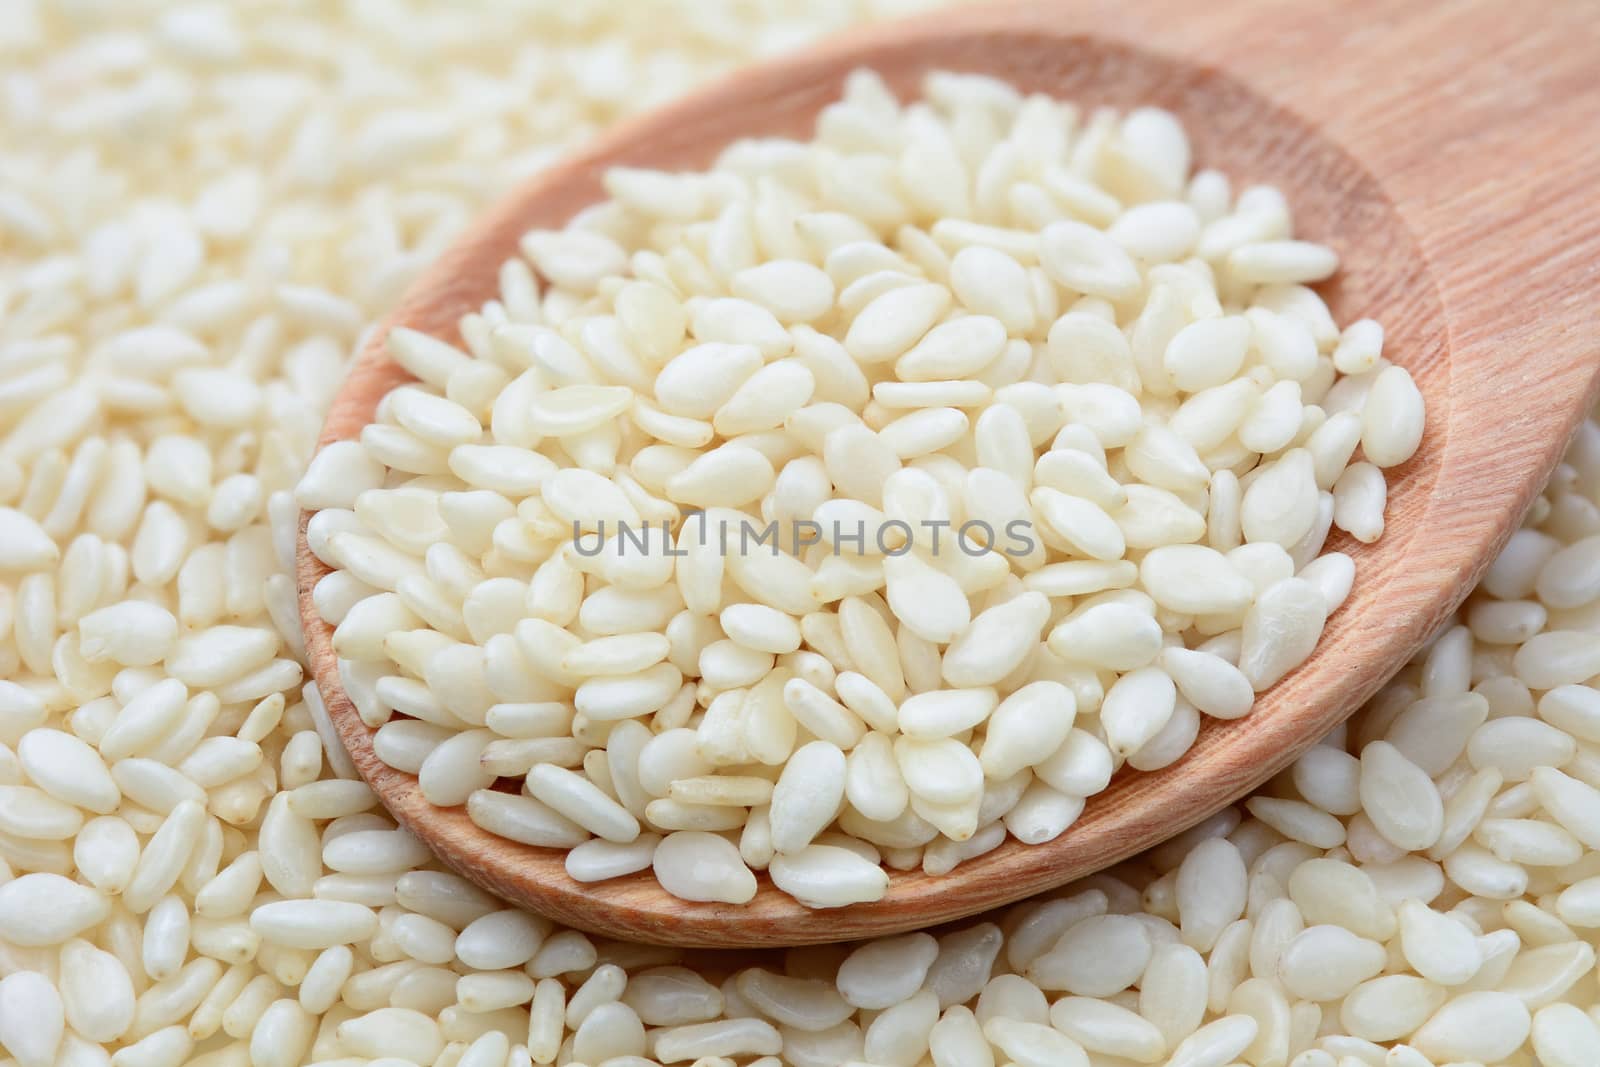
[1448, 151]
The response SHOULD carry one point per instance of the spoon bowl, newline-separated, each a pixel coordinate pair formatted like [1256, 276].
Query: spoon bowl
[1445, 153]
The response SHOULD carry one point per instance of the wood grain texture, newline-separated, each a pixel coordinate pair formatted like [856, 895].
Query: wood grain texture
[1446, 150]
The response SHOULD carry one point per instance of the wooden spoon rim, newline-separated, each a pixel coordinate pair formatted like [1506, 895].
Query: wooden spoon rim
[1441, 489]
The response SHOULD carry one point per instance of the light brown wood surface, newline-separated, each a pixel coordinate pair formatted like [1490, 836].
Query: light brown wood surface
[1449, 151]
